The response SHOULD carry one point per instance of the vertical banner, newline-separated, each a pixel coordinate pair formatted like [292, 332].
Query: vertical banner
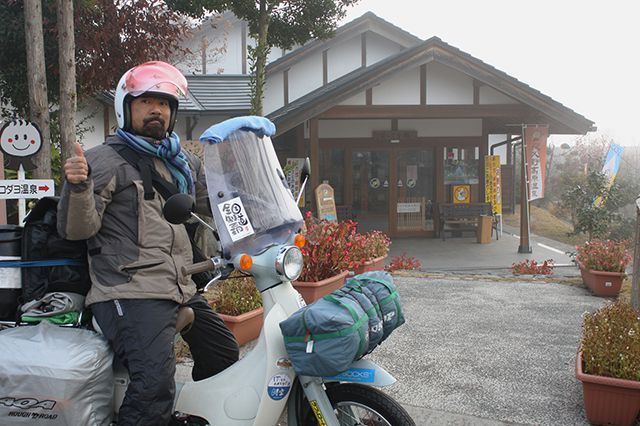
[292, 171]
[493, 183]
[610, 168]
[535, 139]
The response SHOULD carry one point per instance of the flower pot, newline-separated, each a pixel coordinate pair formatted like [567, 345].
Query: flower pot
[245, 327]
[608, 401]
[376, 264]
[312, 291]
[601, 283]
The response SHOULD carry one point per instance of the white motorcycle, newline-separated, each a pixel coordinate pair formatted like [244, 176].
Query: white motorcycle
[258, 221]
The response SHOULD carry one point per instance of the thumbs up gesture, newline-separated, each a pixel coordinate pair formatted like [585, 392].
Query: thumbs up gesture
[76, 169]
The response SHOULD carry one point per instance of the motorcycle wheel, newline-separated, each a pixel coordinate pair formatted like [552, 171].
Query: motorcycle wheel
[358, 405]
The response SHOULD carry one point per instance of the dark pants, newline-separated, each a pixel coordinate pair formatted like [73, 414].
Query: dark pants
[141, 332]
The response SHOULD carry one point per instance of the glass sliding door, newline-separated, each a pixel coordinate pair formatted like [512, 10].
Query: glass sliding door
[415, 190]
[370, 186]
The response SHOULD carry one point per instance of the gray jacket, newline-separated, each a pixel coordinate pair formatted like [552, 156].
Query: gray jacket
[134, 253]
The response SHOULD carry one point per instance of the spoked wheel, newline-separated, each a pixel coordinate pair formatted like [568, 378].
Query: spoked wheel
[358, 405]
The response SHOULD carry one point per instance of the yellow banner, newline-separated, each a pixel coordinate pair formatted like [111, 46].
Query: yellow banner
[493, 183]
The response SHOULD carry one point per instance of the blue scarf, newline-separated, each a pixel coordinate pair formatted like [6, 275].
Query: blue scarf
[170, 151]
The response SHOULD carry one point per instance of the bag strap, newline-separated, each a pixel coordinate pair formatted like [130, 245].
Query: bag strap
[150, 176]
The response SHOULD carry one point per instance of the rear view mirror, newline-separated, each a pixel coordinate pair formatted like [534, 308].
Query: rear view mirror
[305, 172]
[178, 208]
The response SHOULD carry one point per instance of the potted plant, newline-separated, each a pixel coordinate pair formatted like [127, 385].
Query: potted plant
[608, 364]
[327, 257]
[239, 304]
[369, 251]
[602, 264]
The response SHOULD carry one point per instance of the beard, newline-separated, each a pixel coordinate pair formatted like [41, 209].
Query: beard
[153, 128]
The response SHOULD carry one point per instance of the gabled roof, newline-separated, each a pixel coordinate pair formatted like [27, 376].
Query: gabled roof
[367, 22]
[219, 93]
[431, 50]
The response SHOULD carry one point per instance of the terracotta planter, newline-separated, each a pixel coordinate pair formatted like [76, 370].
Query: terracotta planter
[608, 401]
[312, 291]
[601, 283]
[376, 264]
[245, 327]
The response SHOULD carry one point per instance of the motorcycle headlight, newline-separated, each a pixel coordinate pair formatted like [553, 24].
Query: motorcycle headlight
[289, 263]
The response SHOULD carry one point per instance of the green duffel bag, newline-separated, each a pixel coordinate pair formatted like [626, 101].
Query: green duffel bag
[327, 336]
[369, 304]
[381, 285]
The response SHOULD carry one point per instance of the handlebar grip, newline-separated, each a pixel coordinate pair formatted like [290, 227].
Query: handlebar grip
[203, 266]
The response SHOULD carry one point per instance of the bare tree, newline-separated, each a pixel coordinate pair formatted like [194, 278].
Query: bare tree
[67, 65]
[37, 83]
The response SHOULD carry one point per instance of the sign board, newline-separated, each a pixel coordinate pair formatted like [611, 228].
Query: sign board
[461, 194]
[19, 141]
[493, 183]
[26, 188]
[408, 208]
[326, 203]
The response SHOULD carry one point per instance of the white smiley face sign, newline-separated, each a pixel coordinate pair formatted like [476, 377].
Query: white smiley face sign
[21, 139]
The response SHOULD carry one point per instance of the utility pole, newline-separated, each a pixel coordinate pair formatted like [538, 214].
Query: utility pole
[67, 64]
[635, 280]
[37, 82]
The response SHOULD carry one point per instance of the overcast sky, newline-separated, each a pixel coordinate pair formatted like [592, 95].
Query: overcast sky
[584, 54]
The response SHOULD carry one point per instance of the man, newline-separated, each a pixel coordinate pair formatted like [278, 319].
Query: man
[135, 255]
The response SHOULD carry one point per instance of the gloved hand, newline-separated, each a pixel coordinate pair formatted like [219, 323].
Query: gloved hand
[219, 132]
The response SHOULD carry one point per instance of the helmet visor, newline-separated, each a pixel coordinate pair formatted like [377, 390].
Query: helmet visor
[157, 77]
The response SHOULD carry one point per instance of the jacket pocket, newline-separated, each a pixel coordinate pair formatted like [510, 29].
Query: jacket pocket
[141, 264]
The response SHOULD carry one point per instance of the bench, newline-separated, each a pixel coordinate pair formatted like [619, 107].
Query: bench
[463, 217]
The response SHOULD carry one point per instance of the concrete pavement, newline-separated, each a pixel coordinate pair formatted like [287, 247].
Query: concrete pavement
[480, 352]
[465, 255]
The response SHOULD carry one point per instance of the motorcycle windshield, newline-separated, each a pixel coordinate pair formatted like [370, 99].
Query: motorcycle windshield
[251, 203]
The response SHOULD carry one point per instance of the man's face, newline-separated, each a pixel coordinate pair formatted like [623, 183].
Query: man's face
[150, 116]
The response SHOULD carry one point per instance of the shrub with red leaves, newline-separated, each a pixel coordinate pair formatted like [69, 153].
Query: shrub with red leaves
[403, 262]
[531, 267]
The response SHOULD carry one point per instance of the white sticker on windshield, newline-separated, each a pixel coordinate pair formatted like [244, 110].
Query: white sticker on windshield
[235, 219]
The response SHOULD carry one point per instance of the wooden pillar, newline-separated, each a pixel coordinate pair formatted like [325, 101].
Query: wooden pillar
[300, 145]
[314, 143]
[484, 150]
[525, 246]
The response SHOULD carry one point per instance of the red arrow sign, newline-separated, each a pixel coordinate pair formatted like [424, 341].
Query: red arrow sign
[43, 188]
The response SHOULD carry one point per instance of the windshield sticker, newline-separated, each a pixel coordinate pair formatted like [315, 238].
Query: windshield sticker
[279, 386]
[235, 219]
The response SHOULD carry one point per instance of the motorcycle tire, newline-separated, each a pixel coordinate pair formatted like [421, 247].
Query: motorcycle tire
[356, 404]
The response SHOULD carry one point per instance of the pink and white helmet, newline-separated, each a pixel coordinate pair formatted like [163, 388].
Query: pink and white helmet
[155, 78]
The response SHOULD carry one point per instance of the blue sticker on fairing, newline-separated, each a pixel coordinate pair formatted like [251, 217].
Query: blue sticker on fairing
[279, 386]
[359, 375]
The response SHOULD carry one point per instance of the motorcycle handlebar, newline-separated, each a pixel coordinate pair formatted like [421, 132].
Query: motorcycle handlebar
[207, 265]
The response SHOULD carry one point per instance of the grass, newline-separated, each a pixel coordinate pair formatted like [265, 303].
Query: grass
[545, 224]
